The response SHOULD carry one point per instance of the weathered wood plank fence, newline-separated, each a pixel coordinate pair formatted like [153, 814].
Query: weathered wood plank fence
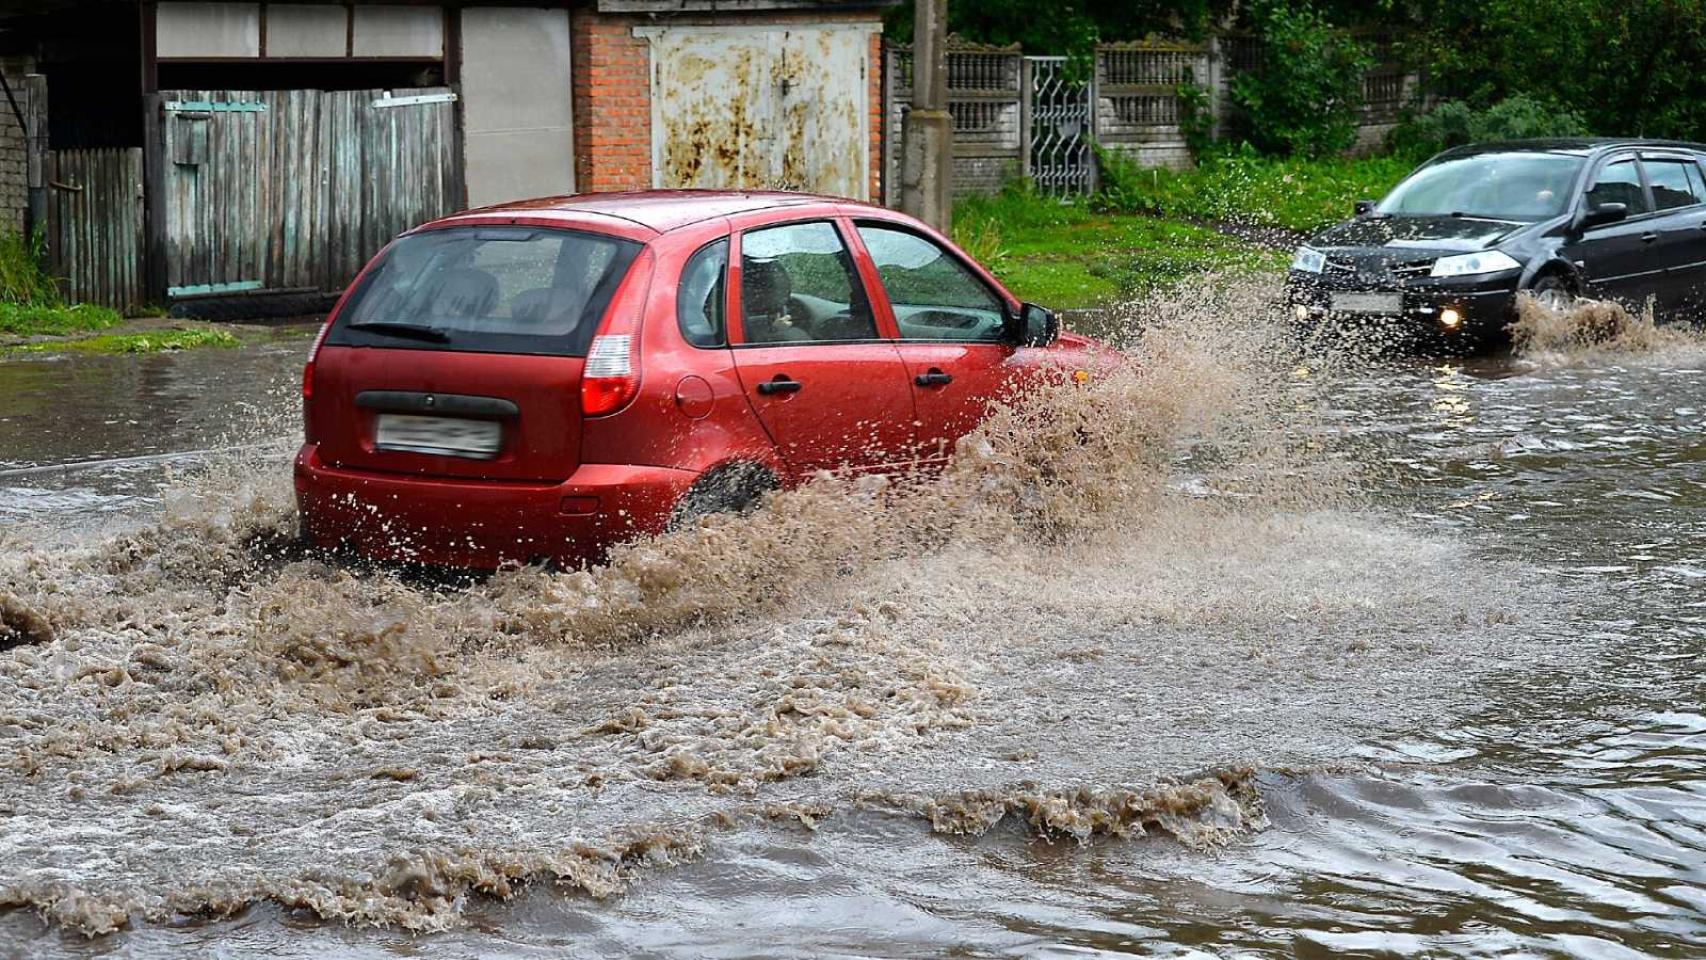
[293, 190]
[94, 225]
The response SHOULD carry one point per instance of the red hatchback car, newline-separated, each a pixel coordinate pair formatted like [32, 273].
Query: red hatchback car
[541, 380]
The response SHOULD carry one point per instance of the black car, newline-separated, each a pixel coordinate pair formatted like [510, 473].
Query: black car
[1449, 248]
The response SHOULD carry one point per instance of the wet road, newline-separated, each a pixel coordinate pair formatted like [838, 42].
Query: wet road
[1564, 815]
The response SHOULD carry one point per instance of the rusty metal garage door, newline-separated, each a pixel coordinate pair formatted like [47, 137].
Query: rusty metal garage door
[762, 107]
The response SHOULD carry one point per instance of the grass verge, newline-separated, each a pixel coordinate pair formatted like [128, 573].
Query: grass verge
[154, 341]
[1069, 255]
[1248, 189]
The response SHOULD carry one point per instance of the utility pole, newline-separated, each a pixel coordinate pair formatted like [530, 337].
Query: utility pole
[926, 160]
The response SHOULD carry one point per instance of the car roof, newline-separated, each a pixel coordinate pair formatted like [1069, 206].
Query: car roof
[658, 210]
[1577, 145]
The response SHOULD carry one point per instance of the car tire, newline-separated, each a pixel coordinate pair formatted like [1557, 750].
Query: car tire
[1553, 291]
[737, 488]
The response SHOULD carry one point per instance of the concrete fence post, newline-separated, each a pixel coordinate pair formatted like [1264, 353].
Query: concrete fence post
[926, 171]
[35, 153]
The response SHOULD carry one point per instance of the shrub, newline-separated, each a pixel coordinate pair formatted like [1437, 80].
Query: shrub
[1302, 97]
[1455, 122]
[22, 280]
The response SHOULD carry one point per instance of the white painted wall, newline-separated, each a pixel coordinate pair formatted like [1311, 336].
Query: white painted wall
[517, 126]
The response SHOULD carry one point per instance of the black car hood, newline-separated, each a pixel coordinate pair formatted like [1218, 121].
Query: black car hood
[1434, 234]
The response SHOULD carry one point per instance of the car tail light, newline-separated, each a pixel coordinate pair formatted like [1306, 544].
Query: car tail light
[611, 378]
[308, 380]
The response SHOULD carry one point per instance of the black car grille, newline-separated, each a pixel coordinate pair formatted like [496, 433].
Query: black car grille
[1379, 268]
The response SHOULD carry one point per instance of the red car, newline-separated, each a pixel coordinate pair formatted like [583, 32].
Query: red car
[541, 380]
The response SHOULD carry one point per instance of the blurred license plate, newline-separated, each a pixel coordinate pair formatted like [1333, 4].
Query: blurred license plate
[446, 436]
[1368, 303]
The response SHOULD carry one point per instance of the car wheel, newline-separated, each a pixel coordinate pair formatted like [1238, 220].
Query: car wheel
[738, 488]
[1553, 292]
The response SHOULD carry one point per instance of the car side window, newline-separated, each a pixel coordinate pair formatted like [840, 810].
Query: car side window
[699, 300]
[1675, 182]
[934, 295]
[1619, 182]
[797, 285]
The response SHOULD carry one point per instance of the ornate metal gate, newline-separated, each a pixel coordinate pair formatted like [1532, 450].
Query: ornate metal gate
[1061, 159]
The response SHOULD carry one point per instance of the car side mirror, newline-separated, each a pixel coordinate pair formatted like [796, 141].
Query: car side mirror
[1603, 214]
[1364, 207]
[1034, 326]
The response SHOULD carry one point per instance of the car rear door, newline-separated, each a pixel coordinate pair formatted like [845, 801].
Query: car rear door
[1618, 258]
[1679, 196]
[825, 380]
[951, 327]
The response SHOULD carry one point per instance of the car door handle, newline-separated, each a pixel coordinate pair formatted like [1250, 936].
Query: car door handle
[935, 378]
[781, 383]
[1649, 237]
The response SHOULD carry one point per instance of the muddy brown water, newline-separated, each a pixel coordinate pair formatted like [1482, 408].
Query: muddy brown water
[1452, 709]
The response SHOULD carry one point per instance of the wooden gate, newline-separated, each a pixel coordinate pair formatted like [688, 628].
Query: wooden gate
[295, 189]
[94, 225]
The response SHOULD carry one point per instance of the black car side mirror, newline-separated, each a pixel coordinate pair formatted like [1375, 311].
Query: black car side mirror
[1033, 326]
[1364, 207]
[1603, 214]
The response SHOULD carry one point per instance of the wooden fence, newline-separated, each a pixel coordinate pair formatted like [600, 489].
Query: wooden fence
[94, 228]
[293, 190]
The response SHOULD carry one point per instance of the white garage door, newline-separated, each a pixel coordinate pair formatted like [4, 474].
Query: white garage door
[761, 108]
[517, 132]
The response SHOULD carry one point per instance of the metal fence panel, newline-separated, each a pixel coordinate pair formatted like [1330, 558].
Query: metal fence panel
[1061, 128]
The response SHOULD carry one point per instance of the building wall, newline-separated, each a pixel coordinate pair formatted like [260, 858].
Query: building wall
[14, 183]
[612, 92]
[517, 121]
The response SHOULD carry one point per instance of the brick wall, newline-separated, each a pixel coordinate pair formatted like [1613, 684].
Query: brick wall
[612, 94]
[14, 186]
[612, 103]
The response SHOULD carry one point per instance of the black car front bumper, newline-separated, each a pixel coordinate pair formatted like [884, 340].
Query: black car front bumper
[1457, 308]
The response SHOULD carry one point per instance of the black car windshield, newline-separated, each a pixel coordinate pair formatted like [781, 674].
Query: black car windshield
[487, 289]
[1496, 186]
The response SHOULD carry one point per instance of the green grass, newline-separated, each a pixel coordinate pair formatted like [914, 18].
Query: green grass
[1294, 194]
[152, 342]
[43, 319]
[1068, 255]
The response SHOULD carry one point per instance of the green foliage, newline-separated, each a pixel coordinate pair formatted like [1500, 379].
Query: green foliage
[1069, 255]
[1629, 67]
[22, 280]
[1455, 122]
[152, 342]
[1246, 188]
[1302, 97]
[1196, 119]
[36, 319]
[1064, 27]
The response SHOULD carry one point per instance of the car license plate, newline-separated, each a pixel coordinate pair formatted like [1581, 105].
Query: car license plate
[1382, 303]
[445, 436]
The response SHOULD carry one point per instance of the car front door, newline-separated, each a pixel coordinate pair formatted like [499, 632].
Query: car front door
[827, 383]
[1617, 258]
[1679, 196]
[951, 326]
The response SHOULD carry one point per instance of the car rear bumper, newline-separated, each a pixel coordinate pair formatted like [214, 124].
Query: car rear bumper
[483, 524]
[1480, 306]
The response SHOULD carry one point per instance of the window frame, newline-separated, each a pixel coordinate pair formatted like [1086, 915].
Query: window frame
[1640, 172]
[971, 268]
[728, 264]
[1681, 159]
[856, 282]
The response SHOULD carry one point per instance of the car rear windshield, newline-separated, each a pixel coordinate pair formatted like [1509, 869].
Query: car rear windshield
[487, 289]
[1522, 187]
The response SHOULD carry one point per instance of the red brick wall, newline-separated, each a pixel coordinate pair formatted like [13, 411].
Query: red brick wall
[612, 103]
[612, 94]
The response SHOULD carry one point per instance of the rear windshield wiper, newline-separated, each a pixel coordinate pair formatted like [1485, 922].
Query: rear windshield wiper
[412, 331]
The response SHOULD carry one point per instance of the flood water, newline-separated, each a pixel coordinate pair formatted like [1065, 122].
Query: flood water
[1454, 710]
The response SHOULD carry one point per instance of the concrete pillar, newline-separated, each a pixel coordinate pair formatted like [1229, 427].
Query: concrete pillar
[926, 162]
